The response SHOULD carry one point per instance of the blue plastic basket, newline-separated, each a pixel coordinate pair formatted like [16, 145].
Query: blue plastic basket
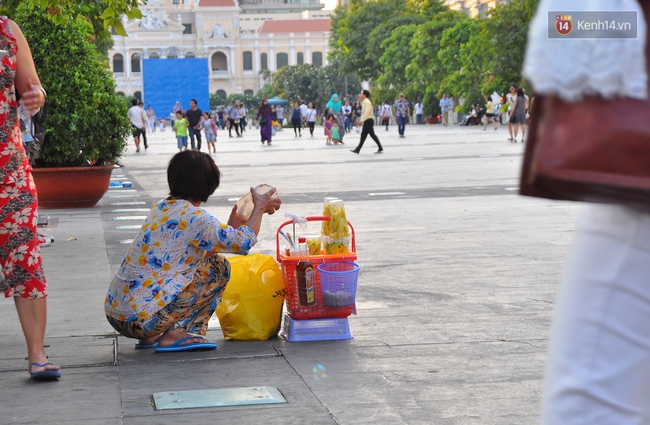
[339, 283]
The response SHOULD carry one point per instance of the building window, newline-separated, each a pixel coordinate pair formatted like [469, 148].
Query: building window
[301, 58]
[248, 61]
[190, 55]
[282, 60]
[265, 61]
[248, 92]
[188, 29]
[138, 95]
[118, 63]
[317, 59]
[222, 94]
[219, 62]
[154, 55]
[135, 63]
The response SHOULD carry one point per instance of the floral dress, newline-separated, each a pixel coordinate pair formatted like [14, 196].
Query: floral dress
[20, 256]
[163, 258]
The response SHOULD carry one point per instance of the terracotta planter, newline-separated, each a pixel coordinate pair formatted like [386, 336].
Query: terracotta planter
[433, 120]
[71, 187]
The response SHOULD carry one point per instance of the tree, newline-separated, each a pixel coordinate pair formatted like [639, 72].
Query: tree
[352, 34]
[108, 12]
[397, 56]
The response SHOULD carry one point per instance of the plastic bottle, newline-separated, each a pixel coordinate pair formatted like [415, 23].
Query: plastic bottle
[305, 277]
[245, 203]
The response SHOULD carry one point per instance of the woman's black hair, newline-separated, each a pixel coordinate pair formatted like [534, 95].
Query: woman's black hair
[193, 176]
[520, 92]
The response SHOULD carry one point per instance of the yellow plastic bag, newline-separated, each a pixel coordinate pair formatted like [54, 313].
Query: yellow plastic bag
[251, 305]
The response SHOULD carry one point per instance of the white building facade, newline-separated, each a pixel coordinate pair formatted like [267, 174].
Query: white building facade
[238, 40]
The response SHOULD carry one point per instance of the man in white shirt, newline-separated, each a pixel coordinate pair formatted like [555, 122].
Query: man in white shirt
[138, 118]
[279, 114]
[418, 112]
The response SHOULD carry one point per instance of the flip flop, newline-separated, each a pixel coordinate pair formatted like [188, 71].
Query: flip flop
[139, 346]
[45, 375]
[176, 347]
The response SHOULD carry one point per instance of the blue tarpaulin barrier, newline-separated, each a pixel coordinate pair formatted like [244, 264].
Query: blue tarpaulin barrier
[169, 80]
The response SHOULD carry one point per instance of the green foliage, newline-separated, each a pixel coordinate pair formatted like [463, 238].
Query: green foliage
[309, 83]
[424, 49]
[249, 100]
[86, 120]
[101, 14]
[357, 28]
[216, 101]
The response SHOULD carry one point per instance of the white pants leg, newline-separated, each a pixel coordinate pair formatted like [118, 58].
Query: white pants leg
[598, 370]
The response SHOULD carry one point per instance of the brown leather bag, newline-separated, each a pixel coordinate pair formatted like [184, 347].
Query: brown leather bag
[595, 150]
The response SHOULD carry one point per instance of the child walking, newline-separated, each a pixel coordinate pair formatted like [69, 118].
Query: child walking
[210, 129]
[180, 129]
[328, 129]
[336, 137]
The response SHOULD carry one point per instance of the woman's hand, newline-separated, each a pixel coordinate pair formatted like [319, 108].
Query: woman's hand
[32, 98]
[266, 202]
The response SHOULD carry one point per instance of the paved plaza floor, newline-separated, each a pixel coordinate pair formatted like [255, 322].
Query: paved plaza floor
[456, 290]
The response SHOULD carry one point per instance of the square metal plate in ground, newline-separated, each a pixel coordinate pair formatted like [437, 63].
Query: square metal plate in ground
[217, 398]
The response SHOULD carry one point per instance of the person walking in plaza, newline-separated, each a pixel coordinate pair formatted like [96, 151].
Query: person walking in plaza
[296, 120]
[222, 124]
[173, 274]
[194, 116]
[598, 357]
[327, 126]
[144, 127]
[138, 120]
[265, 118]
[511, 97]
[233, 119]
[402, 113]
[356, 114]
[210, 128]
[151, 120]
[347, 112]
[489, 112]
[418, 112]
[445, 105]
[386, 114]
[335, 107]
[310, 117]
[176, 108]
[242, 118]
[518, 115]
[368, 123]
[279, 114]
[180, 129]
[22, 277]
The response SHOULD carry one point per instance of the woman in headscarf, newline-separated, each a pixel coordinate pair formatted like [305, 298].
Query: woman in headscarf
[335, 107]
[265, 118]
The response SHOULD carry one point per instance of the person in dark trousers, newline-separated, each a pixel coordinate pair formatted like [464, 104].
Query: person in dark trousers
[368, 119]
[144, 127]
[193, 116]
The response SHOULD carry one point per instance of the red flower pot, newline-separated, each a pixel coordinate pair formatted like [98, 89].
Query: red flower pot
[71, 187]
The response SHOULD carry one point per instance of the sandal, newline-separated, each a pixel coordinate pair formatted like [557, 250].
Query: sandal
[44, 375]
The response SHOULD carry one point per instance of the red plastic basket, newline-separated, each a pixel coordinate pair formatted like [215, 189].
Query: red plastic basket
[288, 265]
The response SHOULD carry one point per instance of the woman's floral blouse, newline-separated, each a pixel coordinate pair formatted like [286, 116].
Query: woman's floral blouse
[162, 259]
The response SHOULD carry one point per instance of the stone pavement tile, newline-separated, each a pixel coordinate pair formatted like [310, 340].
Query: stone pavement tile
[139, 382]
[84, 395]
[71, 351]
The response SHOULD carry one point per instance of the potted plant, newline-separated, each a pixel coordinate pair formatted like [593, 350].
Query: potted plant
[431, 108]
[86, 124]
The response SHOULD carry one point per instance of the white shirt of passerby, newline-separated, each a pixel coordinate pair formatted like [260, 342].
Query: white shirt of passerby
[418, 108]
[137, 116]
